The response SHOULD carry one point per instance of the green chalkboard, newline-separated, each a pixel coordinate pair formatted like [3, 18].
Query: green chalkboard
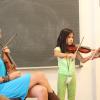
[37, 24]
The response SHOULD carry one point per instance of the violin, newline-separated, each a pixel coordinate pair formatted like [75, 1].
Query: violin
[82, 49]
[10, 65]
[8, 61]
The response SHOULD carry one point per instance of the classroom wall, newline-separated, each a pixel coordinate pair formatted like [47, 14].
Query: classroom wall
[90, 28]
[97, 38]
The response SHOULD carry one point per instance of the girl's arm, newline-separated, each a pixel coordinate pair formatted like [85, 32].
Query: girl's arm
[11, 76]
[58, 53]
[14, 75]
[83, 60]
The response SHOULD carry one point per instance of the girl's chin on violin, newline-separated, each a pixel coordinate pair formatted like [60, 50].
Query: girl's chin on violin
[70, 43]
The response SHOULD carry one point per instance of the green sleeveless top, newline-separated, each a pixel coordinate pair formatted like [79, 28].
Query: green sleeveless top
[66, 65]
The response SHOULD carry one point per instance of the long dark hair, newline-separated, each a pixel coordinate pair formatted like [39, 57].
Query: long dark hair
[61, 41]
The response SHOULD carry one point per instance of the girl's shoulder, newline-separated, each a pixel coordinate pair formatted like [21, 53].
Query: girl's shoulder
[57, 49]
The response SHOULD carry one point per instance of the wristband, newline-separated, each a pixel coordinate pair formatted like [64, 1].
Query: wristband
[5, 78]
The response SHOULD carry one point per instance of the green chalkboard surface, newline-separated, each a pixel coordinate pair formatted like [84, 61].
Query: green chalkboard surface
[37, 24]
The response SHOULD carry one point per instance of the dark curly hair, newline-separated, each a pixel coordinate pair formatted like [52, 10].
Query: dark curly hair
[61, 41]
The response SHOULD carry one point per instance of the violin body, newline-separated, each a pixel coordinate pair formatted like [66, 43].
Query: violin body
[82, 49]
[10, 66]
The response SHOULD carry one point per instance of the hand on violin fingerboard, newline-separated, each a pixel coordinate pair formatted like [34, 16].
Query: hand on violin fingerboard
[96, 54]
[6, 49]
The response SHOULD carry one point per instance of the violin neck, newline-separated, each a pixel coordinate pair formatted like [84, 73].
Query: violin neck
[10, 58]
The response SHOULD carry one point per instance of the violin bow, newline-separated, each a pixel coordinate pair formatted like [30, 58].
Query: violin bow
[7, 44]
[9, 40]
[79, 46]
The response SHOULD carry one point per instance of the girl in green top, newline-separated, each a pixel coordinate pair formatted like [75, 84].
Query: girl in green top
[66, 64]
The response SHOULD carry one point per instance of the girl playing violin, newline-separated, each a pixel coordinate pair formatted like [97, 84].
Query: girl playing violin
[66, 64]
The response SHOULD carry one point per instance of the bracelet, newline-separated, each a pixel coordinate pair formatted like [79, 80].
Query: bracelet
[5, 78]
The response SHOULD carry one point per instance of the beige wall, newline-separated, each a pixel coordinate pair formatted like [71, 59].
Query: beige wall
[90, 28]
[97, 32]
